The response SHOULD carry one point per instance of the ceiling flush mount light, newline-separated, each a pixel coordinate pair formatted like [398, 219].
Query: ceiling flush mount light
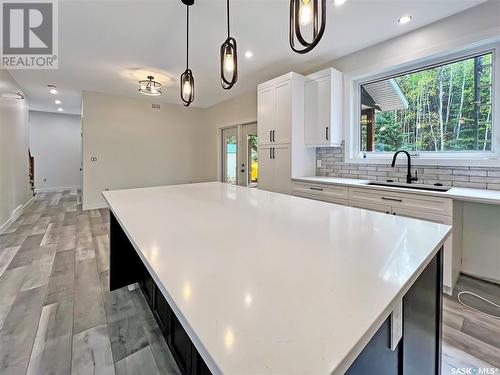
[404, 19]
[303, 13]
[248, 54]
[339, 2]
[60, 109]
[52, 89]
[228, 59]
[150, 87]
[187, 79]
[57, 101]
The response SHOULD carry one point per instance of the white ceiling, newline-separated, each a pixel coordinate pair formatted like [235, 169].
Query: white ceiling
[107, 46]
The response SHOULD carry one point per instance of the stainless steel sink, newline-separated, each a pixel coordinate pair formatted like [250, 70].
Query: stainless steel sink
[410, 186]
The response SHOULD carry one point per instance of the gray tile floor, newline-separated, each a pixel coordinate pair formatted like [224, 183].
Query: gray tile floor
[57, 315]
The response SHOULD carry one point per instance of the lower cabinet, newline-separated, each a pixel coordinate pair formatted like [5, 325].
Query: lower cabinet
[275, 168]
[185, 354]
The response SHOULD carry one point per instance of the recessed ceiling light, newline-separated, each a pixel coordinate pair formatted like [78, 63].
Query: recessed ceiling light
[339, 2]
[60, 109]
[248, 54]
[405, 19]
[57, 101]
[52, 89]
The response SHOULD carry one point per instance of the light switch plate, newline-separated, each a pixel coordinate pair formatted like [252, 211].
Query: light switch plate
[318, 163]
[396, 324]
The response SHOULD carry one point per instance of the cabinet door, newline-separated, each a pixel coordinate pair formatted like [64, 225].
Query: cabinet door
[312, 133]
[283, 169]
[283, 113]
[266, 169]
[265, 114]
[324, 110]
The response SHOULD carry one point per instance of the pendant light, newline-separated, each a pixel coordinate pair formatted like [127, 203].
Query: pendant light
[228, 59]
[150, 87]
[187, 79]
[304, 13]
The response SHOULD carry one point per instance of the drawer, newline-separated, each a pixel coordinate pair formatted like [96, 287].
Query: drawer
[371, 206]
[328, 193]
[412, 202]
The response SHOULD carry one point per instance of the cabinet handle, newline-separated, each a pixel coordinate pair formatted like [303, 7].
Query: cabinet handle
[274, 155]
[270, 135]
[392, 199]
[274, 133]
[270, 152]
[315, 188]
[326, 131]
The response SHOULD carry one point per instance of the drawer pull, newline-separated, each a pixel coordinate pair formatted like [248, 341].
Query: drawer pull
[392, 199]
[315, 188]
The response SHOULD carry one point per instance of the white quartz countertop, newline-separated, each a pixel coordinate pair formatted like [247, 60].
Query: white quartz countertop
[269, 283]
[457, 193]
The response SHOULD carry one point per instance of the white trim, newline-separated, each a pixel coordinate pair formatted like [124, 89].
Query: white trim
[353, 83]
[94, 206]
[15, 215]
[48, 190]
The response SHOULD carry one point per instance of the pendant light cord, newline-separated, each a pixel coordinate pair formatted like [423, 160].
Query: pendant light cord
[187, 37]
[228, 33]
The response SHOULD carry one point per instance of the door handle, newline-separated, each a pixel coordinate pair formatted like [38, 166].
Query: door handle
[392, 199]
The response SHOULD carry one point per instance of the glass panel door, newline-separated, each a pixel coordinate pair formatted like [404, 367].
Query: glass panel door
[230, 155]
[249, 163]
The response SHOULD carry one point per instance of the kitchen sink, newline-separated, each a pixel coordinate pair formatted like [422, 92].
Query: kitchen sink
[403, 185]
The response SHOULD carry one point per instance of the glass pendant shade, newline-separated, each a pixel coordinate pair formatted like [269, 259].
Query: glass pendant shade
[187, 87]
[187, 79]
[228, 59]
[310, 14]
[150, 87]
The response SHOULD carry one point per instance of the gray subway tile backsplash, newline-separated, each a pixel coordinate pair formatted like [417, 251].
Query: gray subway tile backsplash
[333, 165]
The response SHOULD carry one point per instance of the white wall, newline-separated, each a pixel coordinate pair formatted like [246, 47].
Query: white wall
[236, 111]
[14, 133]
[55, 143]
[137, 145]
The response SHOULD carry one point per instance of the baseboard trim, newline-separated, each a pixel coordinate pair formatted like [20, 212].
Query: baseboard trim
[94, 206]
[48, 190]
[15, 215]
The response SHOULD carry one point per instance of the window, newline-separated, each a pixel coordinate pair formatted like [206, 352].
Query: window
[444, 108]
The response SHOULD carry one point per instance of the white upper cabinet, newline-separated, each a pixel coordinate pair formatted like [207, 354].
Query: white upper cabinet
[323, 93]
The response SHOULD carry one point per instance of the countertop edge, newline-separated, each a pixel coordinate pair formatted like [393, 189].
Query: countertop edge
[453, 193]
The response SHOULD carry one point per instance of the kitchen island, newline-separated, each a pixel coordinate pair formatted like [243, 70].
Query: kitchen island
[244, 281]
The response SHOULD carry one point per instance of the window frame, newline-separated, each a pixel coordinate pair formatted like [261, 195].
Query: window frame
[353, 153]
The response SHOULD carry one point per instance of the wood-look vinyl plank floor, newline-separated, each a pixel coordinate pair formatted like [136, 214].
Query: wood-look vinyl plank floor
[57, 315]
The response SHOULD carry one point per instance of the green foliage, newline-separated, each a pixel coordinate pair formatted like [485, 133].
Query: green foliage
[442, 114]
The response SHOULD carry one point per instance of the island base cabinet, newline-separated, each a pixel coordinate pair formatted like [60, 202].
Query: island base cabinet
[419, 350]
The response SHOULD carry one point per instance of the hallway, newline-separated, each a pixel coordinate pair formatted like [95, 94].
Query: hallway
[57, 315]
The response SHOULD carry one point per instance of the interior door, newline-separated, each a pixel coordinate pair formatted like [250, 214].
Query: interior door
[248, 161]
[230, 155]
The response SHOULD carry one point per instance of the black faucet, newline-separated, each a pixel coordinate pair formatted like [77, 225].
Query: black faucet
[409, 177]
